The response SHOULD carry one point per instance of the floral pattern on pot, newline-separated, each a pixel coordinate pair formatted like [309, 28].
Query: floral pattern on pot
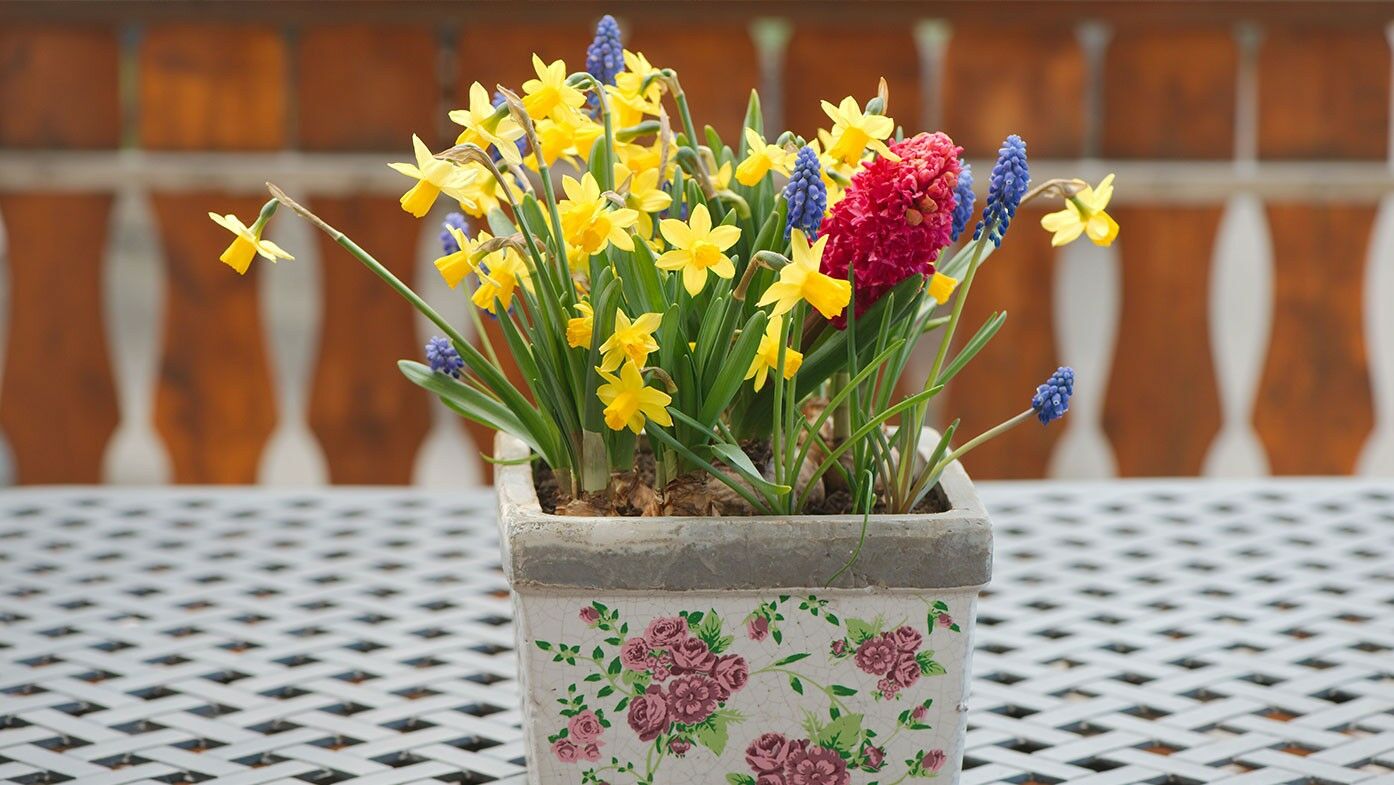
[677, 687]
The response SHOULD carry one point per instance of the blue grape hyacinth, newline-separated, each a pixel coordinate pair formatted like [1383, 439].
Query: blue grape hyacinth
[447, 242]
[1011, 176]
[442, 357]
[963, 206]
[1052, 399]
[806, 194]
[605, 55]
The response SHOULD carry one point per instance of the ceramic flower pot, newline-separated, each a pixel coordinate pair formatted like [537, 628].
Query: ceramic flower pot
[684, 650]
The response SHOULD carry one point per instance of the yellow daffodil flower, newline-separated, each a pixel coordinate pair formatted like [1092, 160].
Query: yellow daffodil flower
[1084, 214]
[246, 244]
[484, 194]
[641, 159]
[549, 95]
[721, 178]
[588, 221]
[486, 127]
[500, 275]
[629, 100]
[834, 173]
[569, 138]
[628, 403]
[579, 329]
[941, 287]
[697, 247]
[642, 192]
[767, 356]
[802, 280]
[853, 132]
[760, 158]
[631, 341]
[455, 266]
[433, 177]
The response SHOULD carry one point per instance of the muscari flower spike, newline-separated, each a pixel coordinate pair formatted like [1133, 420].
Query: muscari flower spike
[1011, 176]
[1052, 399]
[963, 201]
[447, 241]
[605, 55]
[806, 194]
[442, 357]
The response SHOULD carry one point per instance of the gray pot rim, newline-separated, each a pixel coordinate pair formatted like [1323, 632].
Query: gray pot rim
[950, 549]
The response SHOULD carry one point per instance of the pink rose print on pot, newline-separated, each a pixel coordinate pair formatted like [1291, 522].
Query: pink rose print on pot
[565, 751]
[757, 628]
[648, 715]
[808, 764]
[905, 672]
[906, 639]
[731, 673]
[767, 753]
[692, 655]
[665, 631]
[585, 728]
[877, 655]
[634, 654]
[679, 747]
[873, 758]
[692, 698]
[589, 615]
[933, 760]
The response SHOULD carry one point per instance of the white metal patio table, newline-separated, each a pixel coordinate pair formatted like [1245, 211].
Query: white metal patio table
[1167, 633]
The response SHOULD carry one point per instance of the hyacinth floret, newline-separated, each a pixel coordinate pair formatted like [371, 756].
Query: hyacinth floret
[1011, 176]
[895, 217]
[1052, 399]
[963, 201]
[806, 194]
[447, 241]
[442, 357]
[605, 55]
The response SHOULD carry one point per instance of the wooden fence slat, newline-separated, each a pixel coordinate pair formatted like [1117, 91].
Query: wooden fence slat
[1323, 94]
[58, 86]
[1315, 411]
[1002, 378]
[58, 404]
[1170, 94]
[370, 420]
[1163, 407]
[363, 87]
[215, 405]
[812, 72]
[716, 64]
[212, 87]
[1028, 82]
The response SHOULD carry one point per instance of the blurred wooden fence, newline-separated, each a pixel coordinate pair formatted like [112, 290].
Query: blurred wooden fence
[1240, 324]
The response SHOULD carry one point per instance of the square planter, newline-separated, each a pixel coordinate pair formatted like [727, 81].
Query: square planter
[707, 650]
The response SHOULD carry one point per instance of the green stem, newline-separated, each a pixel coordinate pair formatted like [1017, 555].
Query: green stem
[985, 436]
[961, 296]
[842, 414]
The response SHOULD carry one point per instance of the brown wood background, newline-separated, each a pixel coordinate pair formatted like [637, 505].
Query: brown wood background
[356, 77]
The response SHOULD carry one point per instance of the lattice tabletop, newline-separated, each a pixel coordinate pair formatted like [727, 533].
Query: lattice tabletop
[1161, 633]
